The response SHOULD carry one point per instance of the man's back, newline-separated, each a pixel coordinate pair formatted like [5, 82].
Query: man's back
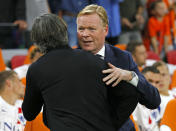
[74, 95]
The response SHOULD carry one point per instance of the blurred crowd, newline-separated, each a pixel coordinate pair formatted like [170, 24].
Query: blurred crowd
[145, 28]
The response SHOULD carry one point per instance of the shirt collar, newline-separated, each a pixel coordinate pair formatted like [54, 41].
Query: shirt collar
[102, 52]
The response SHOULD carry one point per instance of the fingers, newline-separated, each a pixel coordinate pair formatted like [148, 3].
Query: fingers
[117, 82]
[113, 78]
[111, 66]
[22, 24]
[115, 75]
[107, 71]
[110, 78]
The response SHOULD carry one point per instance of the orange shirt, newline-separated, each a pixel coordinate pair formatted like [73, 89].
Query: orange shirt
[2, 64]
[36, 125]
[169, 117]
[158, 29]
[173, 82]
[171, 17]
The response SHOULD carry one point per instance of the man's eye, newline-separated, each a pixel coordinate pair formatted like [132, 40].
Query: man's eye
[157, 82]
[81, 28]
[91, 28]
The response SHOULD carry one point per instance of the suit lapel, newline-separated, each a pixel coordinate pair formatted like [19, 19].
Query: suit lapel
[115, 57]
[108, 54]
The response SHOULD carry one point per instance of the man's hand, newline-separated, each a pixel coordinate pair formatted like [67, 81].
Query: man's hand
[140, 19]
[116, 75]
[127, 23]
[21, 23]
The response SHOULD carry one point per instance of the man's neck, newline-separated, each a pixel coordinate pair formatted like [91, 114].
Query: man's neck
[165, 93]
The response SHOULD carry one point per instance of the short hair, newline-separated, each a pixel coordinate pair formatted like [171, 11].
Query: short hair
[153, 4]
[131, 47]
[49, 32]
[4, 75]
[95, 9]
[150, 69]
[160, 63]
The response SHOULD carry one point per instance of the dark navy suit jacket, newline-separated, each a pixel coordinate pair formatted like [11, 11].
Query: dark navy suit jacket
[146, 94]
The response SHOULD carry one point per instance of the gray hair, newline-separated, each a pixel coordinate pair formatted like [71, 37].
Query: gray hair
[49, 32]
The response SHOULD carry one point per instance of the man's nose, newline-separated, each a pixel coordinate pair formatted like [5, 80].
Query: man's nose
[85, 33]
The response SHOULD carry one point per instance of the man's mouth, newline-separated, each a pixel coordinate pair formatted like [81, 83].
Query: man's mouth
[87, 42]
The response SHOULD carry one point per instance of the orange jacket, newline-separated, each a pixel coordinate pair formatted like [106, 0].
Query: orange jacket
[2, 64]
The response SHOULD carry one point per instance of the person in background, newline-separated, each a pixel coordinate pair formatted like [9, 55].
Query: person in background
[68, 10]
[11, 91]
[11, 13]
[132, 21]
[112, 8]
[34, 8]
[92, 28]
[138, 51]
[165, 93]
[157, 34]
[158, 76]
[166, 79]
[35, 54]
[146, 119]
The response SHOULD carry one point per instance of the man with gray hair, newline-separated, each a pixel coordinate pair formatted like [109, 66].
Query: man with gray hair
[67, 82]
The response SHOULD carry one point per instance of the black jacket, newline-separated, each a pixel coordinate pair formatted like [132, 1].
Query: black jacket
[69, 84]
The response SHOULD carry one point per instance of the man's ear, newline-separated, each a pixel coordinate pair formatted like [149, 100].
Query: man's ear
[8, 83]
[106, 29]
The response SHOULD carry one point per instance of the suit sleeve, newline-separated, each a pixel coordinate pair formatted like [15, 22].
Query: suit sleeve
[33, 100]
[148, 95]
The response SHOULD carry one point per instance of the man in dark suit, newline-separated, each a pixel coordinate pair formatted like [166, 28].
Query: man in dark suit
[123, 74]
[67, 82]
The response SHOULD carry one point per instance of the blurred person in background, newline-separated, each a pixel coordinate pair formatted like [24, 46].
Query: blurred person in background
[132, 21]
[159, 77]
[157, 33]
[139, 53]
[163, 88]
[146, 119]
[11, 91]
[112, 8]
[21, 71]
[34, 8]
[68, 10]
[166, 79]
[12, 12]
